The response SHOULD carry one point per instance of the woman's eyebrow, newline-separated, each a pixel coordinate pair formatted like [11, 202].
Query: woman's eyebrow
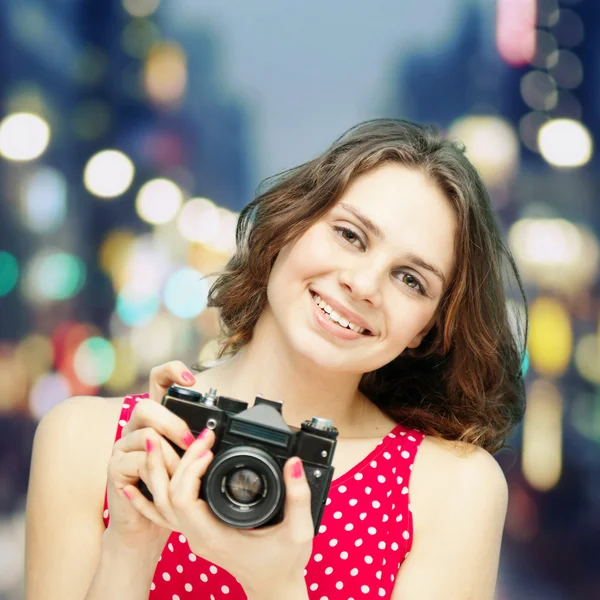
[376, 231]
[420, 262]
[369, 225]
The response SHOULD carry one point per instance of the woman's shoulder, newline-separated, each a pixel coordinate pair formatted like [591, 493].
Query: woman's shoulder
[451, 480]
[88, 416]
[78, 434]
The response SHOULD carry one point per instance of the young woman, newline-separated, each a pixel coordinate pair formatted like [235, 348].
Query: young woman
[366, 288]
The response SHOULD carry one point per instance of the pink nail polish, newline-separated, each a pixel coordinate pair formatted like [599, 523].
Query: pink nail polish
[297, 470]
[203, 434]
[149, 446]
[188, 439]
[187, 376]
[203, 454]
[127, 495]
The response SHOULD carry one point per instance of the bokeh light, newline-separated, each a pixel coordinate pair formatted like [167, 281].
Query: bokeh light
[491, 145]
[515, 31]
[565, 143]
[53, 275]
[108, 173]
[124, 374]
[550, 337]
[113, 253]
[587, 358]
[23, 136]
[159, 201]
[539, 91]
[137, 311]
[44, 200]
[542, 436]
[165, 73]
[94, 361]
[199, 220]
[186, 293]
[138, 37]
[47, 392]
[569, 29]
[9, 272]
[36, 353]
[568, 70]
[140, 8]
[13, 379]
[555, 254]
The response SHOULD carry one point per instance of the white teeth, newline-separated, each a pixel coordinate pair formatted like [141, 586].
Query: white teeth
[335, 316]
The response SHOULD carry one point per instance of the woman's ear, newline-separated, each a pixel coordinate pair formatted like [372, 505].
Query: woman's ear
[416, 341]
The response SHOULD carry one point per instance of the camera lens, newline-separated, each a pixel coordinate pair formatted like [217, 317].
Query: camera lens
[244, 487]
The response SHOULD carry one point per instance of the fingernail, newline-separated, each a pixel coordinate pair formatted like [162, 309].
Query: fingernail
[203, 434]
[187, 376]
[149, 446]
[127, 494]
[203, 454]
[188, 438]
[297, 470]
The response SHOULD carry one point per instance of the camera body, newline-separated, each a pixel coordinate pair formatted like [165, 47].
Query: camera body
[243, 485]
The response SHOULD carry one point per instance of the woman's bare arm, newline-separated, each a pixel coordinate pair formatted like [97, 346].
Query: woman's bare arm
[65, 532]
[459, 502]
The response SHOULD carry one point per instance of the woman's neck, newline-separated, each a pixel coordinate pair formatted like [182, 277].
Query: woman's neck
[277, 373]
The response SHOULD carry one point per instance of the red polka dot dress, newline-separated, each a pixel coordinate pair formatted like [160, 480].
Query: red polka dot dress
[365, 533]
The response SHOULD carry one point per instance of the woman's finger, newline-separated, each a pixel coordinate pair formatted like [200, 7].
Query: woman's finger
[126, 468]
[184, 490]
[136, 441]
[149, 414]
[204, 442]
[163, 376]
[145, 507]
[297, 511]
[158, 481]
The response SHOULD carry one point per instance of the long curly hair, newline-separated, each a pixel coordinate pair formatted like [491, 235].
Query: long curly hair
[464, 382]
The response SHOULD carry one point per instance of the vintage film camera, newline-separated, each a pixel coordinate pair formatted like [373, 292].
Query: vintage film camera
[243, 485]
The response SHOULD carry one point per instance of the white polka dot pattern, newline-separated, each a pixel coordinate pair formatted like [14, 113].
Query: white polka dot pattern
[365, 534]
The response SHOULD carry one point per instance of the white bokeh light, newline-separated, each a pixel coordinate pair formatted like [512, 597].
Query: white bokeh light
[555, 253]
[199, 220]
[108, 174]
[491, 144]
[158, 201]
[565, 143]
[23, 136]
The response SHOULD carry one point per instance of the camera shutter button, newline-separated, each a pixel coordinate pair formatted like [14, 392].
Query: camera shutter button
[321, 424]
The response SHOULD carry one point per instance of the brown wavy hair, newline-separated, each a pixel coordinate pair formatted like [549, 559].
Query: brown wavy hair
[464, 382]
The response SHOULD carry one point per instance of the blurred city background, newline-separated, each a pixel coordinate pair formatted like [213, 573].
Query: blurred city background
[132, 132]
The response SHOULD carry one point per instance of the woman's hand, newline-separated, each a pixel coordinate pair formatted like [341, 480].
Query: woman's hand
[143, 453]
[165, 375]
[263, 559]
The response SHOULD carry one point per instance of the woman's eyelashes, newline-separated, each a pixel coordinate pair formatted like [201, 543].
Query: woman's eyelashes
[350, 236]
[420, 288]
[353, 238]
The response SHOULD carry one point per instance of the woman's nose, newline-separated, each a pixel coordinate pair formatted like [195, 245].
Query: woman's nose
[363, 284]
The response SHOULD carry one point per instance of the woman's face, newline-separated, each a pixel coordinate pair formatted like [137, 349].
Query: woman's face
[383, 272]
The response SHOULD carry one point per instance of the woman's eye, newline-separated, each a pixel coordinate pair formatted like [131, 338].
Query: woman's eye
[412, 282]
[349, 236]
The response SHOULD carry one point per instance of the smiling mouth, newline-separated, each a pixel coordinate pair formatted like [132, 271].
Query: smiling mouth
[335, 317]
